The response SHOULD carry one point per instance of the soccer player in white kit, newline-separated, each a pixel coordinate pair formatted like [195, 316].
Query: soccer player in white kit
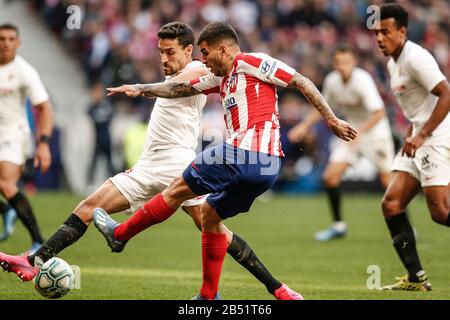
[423, 94]
[172, 138]
[354, 93]
[19, 80]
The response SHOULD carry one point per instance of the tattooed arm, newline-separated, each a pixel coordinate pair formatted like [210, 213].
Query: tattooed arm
[163, 89]
[168, 89]
[339, 127]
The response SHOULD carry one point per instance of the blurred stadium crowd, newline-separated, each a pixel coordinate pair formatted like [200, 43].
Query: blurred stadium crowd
[118, 44]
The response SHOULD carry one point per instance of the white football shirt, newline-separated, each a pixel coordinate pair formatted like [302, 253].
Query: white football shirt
[356, 99]
[18, 80]
[175, 123]
[413, 76]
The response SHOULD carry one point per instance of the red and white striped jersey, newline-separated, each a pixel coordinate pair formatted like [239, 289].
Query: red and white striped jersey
[250, 101]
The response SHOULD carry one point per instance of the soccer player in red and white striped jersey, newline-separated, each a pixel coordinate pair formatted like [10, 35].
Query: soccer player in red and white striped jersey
[246, 165]
[250, 100]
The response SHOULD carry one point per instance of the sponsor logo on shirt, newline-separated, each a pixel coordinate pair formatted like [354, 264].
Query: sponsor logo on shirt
[265, 67]
[230, 103]
[427, 165]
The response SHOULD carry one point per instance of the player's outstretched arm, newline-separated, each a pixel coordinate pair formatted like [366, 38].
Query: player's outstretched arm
[339, 127]
[175, 89]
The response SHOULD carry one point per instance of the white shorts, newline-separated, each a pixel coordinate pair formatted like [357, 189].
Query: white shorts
[430, 166]
[152, 174]
[379, 151]
[15, 144]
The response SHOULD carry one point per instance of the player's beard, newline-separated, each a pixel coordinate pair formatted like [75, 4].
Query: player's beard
[170, 71]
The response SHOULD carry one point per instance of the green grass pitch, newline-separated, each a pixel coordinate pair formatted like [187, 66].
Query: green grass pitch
[165, 261]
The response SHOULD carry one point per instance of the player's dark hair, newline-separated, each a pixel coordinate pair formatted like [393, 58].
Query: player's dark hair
[217, 31]
[177, 30]
[8, 26]
[393, 10]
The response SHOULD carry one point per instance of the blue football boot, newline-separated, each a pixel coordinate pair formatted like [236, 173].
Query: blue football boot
[9, 224]
[330, 233]
[106, 225]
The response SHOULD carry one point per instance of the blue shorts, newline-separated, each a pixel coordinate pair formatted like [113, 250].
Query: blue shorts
[234, 177]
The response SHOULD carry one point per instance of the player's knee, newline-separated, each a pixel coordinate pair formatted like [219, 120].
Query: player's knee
[210, 221]
[205, 221]
[390, 206]
[2, 187]
[7, 188]
[330, 180]
[85, 210]
[174, 189]
[196, 216]
[440, 214]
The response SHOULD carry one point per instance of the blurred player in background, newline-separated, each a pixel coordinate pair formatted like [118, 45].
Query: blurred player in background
[18, 80]
[101, 113]
[423, 94]
[236, 172]
[353, 91]
[172, 138]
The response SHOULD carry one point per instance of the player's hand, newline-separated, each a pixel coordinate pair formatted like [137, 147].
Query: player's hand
[297, 133]
[43, 157]
[129, 90]
[342, 129]
[411, 145]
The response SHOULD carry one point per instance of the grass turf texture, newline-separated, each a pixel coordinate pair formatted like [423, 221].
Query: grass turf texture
[165, 261]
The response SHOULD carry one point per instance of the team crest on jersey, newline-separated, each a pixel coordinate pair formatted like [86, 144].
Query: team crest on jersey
[231, 83]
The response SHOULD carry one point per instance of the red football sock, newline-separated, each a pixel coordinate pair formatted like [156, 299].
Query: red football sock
[214, 249]
[154, 211]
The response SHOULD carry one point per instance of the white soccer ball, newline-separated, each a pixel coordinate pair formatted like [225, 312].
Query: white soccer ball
[55, 279]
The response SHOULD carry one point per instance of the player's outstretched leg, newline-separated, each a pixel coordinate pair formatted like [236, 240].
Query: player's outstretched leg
[107, 225]
[75, 226]
[238, 249]
[241, 251]
[23, 265]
